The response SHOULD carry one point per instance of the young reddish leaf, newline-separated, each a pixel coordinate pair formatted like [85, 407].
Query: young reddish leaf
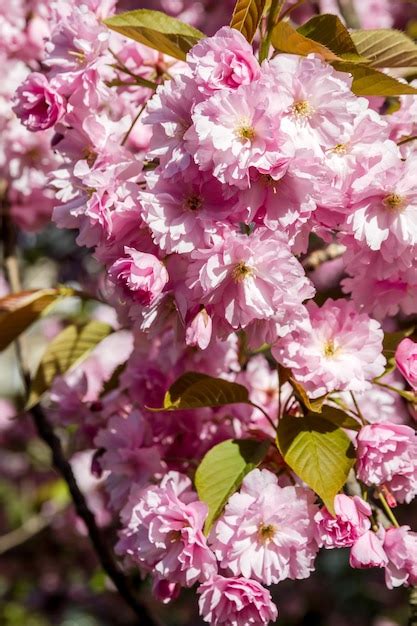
[247, 16]
[18, 311]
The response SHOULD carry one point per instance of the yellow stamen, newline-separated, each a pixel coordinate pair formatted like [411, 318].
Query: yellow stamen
[302, 109]
[241, 271]
[266, 532]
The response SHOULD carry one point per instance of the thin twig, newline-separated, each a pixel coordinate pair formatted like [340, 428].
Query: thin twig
[256, 406]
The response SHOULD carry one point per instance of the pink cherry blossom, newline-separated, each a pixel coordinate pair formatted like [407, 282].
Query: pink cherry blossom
[350, 522]
[319, 105]
[266, 531]
[387, 455]
[368, 551]
[337, 349]
[406, 361]
[164, 532]
[243, 278]
[237, 130]
[183, 212]
[400, 545]
[38, 105]
[199, 331]
[141, 276]
[128, 454]
[383, 207]
[224, 61]
[235, 601]
[169, 114]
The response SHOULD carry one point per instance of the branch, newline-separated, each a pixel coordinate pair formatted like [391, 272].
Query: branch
[413, 607]
[47, 434]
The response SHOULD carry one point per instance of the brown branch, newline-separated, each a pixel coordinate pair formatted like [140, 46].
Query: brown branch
[47, 434]
[413, 607]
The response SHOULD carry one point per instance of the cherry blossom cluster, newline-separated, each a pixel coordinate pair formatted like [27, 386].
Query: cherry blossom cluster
[25, 158]
[201, 187]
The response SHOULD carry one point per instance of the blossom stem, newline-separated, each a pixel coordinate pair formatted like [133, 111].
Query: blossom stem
[273, 15]
[406, 140]
[358, 411]
[131, 127]
[388, 510]
[256, 406]
[408, 395]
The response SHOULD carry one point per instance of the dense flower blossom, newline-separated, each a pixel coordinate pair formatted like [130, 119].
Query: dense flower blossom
[350, 523]
[164, 532]
[266, 531]
[406, 360]
[216, 193]
[235, 601]
[337, 348]
[387, 455]
[400, 546]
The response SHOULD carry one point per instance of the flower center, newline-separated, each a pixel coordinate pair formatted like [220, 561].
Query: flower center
[394, 201]
[268, 181]
[302, 109]
[329, 349]
[245, 130]
[241, 271]
[79, 56]
[90, 155]
[266, 532]
[340, 148]
[174, 536]
[194, 202]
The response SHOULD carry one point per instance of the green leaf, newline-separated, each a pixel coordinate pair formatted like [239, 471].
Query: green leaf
[247, 16]
[318, 451]
[18, 311]
[312, 405]
[222, 470]
[369, 82]
[286, 39]
[340, 418]
[67, 349]
[386, 47]
[156, 30]
[329, 31]
[194, 390]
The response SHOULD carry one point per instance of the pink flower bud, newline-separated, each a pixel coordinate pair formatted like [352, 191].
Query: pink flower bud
[38, 105]
[368, 552]
[141, 276]
[406, 360]
[199, 331]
